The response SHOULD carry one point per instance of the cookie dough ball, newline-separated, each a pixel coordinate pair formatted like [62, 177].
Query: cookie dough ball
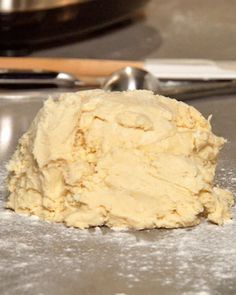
[121, 159]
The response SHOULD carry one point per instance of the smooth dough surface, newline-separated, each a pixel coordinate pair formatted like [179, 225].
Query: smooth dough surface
[122, 159]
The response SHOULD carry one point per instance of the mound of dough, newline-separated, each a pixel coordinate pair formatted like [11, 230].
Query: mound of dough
[123, 159]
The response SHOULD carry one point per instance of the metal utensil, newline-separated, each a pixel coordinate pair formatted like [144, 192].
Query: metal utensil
[27, 82]
[131, 78]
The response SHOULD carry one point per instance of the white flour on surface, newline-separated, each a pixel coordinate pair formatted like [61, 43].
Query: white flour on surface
[37, 256]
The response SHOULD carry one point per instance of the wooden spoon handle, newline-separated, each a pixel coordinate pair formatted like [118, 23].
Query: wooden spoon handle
[77, 67]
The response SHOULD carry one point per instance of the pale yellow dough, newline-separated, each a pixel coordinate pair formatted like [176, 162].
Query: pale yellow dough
[122, 159]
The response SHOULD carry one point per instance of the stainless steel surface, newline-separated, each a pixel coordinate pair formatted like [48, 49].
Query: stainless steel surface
[188, 89]
[35, 78]
[13, 95]
[203, 29]
[128, 78]
[33, 24]
[48, 259]
[10, 6]
[131, 78]
[41, 258]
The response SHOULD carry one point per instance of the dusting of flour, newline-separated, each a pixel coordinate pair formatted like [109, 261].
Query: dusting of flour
[37, 257]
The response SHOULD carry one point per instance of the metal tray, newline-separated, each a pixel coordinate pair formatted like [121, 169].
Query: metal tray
[37, 257]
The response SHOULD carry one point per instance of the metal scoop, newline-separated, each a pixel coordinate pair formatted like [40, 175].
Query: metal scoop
[22, 83]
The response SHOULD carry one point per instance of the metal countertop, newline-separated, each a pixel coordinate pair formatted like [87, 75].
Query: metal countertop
[43, 258]
[48, 259]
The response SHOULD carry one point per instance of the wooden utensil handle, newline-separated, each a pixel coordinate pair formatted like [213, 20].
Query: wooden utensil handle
[77, 67]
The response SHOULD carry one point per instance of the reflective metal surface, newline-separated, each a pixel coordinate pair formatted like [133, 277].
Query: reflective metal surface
[27, 25]
[10, 6]
[15, 118]
[131, 78]
[24, 79]
[41, 258]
